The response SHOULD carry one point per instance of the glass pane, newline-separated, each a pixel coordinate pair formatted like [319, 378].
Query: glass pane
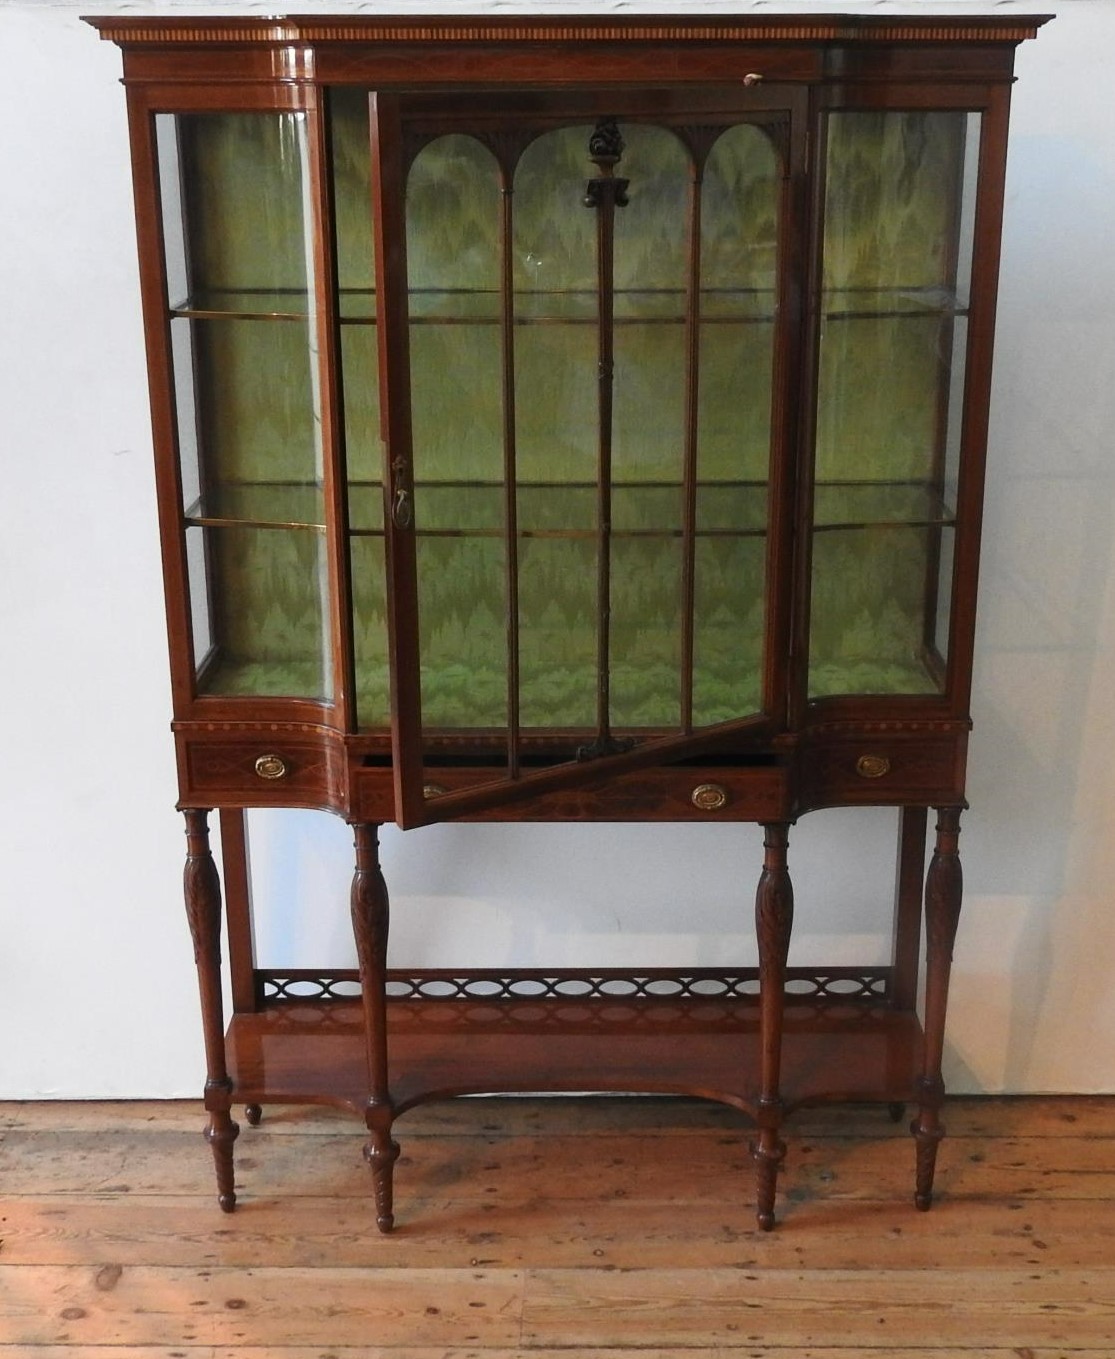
[739, 288]
[867, 631]
[463, 631]
[557, 608]
[728, 611]
[646, 595]
[557, 423]
[235, 200]
[897, 261]
[456, 365]
[268, 591]
[242, 201]
[369, 632]
[646, 601]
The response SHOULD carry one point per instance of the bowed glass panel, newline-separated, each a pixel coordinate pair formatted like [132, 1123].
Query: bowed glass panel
[899, 217]
[235, 207]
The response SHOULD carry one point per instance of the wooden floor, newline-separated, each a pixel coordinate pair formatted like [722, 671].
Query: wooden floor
[550, 1228]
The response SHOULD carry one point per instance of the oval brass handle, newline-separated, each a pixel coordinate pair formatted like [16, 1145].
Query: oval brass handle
[434, 790]
[271, 767]
[752, 78]
[872, 766]
[709, 797]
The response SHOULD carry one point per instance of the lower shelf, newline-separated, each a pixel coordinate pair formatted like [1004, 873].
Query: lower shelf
[297, 1052]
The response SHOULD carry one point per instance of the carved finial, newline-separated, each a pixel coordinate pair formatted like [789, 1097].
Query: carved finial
[605, 147]
[606, 144]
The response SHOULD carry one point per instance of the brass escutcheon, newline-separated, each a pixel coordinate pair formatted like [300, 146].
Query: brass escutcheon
[271, 767]
[872, 766]
[709, 797]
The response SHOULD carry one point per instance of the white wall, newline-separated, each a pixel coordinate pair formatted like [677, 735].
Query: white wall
[97, 991]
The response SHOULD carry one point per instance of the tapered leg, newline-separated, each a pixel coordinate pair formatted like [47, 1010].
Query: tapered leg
[202, 890]
[944, 885]
[370, 924]
[774, 916]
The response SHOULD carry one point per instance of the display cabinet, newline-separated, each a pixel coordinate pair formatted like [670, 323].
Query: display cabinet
[571, 419]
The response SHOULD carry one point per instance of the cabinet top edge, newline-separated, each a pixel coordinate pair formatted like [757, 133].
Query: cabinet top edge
[129, 31]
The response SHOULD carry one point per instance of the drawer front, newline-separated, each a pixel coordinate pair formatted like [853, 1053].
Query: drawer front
[881, 770]
[667, 794]
[267, 771]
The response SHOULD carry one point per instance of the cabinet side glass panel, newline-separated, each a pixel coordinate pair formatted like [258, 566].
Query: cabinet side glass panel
[899, 198]
[235, 210]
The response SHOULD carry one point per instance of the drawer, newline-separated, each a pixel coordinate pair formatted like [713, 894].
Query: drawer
[881, 770]
[656, 794]
[268, 770]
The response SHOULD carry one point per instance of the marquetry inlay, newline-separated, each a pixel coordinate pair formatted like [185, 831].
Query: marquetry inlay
[133, 32]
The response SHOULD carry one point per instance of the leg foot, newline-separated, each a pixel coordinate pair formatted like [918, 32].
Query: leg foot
[253, 1113]
[381, 1153]
[221, 1133]
[768, 1153]
[928, 1131]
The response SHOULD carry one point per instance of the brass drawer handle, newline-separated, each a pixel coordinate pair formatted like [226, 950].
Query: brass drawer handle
[434, 790]
[752, 78]
[271, 767]
[709, 797]
[872, 766]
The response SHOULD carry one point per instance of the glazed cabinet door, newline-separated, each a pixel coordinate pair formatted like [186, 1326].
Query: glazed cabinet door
[587, 332]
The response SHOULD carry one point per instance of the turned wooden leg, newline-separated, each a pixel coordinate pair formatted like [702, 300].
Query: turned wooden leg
[944, 885]
[202, 890]
[370, 924]
[774, 915]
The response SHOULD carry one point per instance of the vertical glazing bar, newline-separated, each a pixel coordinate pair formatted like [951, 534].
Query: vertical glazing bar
[164, 415]
[945, 357]
[987, 231]
[510, 474]
[393, 325]
[325, 317]
[605, 244]
[604, 194]
[689, 489]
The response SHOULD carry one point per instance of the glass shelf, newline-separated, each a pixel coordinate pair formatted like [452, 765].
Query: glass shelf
[245, 304]
[839, 304]
[569, 509]
[259, 505]
[642, 306]
[852, 505]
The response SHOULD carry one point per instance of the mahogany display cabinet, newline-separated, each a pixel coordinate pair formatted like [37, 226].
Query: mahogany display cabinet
[571, 419]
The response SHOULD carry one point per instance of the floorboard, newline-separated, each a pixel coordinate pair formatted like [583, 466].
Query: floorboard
[551, 1228]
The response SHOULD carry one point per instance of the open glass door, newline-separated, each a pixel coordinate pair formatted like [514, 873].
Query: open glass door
[584, 334]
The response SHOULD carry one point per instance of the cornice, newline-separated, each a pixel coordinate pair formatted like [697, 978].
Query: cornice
[837, 28]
